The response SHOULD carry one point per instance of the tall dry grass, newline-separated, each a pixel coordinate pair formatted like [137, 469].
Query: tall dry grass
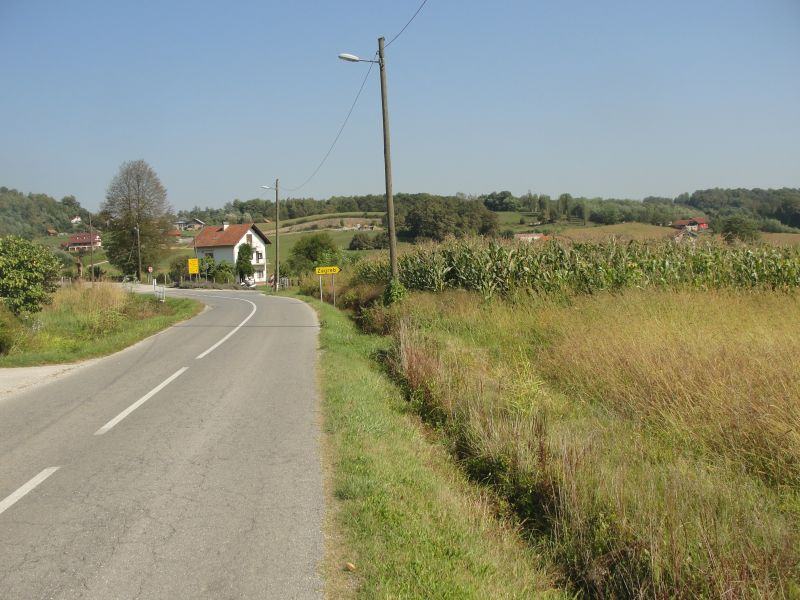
[649, 439]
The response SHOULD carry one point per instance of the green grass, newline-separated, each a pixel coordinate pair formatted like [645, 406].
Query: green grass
[401, 511]
[85, 322]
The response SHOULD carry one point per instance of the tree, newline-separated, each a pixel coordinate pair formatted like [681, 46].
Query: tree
[739, 227]
[544, 207]
[564, 205]
[28, 275]
[312, 251]
[137, 213]
[244, 261]
[501, 201]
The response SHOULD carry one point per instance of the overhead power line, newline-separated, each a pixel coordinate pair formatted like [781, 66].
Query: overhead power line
[414, 16]
[353, 105]
[338, 134]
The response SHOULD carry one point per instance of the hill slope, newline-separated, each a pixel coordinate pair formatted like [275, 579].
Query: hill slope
[30, 215]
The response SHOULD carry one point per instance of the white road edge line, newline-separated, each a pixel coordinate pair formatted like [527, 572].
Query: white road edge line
[11, 500]
[140, 401]
[235, 329]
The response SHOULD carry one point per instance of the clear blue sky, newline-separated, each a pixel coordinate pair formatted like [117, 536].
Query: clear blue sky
[612, 98]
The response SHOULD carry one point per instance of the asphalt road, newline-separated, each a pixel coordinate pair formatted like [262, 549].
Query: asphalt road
[185, 467]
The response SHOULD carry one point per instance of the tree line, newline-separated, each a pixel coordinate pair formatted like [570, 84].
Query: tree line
[434, 216]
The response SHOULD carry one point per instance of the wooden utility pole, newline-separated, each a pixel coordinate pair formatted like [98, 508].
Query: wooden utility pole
[91, 251]
[277, 239]
[139, 253]
[387, 161]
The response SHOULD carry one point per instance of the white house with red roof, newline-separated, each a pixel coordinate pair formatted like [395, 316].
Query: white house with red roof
[221, 242]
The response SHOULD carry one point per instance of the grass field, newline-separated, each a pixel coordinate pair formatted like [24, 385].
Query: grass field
[84, 322]
[650, 439]
[312, 218]
[622, 231]
[399, 510]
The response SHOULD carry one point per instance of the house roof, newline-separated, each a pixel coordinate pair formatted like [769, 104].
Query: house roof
[684, 222]
[83, 238]
[218, 235]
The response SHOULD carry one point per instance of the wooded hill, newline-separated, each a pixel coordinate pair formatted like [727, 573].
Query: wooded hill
[774, 210]
[30, 215]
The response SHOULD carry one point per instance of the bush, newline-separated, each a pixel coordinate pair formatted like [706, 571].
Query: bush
[738, 227]
[394, 292]
[28, 275]
[363, 241]
[775, 226]
[178, 268]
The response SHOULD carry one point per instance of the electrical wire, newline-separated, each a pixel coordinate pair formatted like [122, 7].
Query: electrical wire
[414, 16]
[338, 134]
[352, 106]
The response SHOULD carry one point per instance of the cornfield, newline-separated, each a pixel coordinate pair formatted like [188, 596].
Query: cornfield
[497, 268]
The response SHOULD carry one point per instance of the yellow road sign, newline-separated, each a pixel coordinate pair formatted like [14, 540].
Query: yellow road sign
[194, 266]
[327, 270]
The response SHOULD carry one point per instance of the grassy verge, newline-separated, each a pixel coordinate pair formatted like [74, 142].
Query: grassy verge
[401, 511]
[649, 439]
[84, 322]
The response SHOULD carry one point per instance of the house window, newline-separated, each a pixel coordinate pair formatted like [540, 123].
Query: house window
[209, 254]
[259, 256]
[250, 239]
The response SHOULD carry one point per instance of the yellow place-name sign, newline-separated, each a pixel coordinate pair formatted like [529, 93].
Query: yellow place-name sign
[327, 270]
[194, 266]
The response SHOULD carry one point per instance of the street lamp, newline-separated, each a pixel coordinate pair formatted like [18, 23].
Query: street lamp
[277, 239]
[387, 157]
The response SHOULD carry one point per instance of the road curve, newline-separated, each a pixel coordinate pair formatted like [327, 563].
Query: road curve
[185, 467]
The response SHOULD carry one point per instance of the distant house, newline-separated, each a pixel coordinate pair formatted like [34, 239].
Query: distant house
[693, 224]
[174, 233]
[221, 242]
[531, 237]
[76, 220]
[191, 224]
[51, 231]
[82, 241]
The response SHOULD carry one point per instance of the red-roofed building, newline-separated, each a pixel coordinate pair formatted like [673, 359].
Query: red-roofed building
[693, 224]
[82, 241]
[221, 242]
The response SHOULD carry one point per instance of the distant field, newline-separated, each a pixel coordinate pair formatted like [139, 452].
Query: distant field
[782, 239]
[312, 218]
[624, 231]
